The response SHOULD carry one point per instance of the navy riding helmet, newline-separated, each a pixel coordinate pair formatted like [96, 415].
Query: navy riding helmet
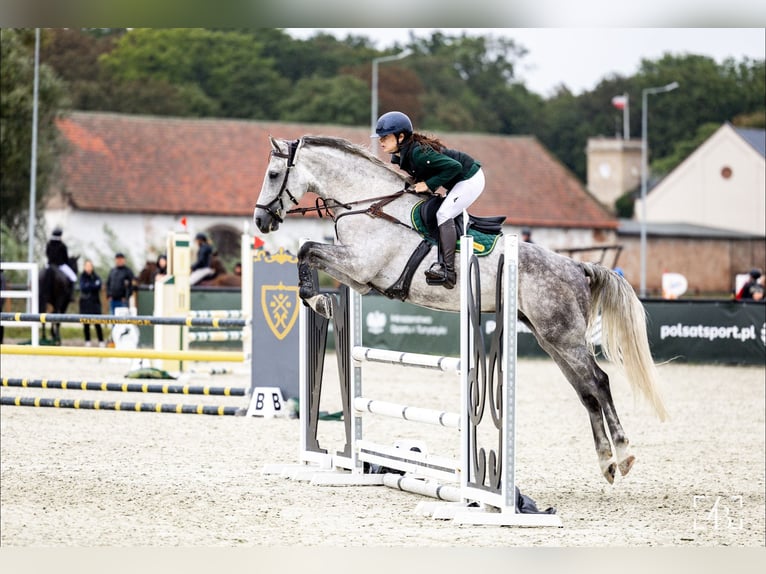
[393, 123]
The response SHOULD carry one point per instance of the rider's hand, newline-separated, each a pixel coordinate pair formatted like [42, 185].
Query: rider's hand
[420, 187]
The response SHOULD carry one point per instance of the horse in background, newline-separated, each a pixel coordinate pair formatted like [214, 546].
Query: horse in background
[220, 277]
[146, 275]
[56, 291]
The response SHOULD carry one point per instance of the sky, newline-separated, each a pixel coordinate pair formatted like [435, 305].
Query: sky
[581, 57]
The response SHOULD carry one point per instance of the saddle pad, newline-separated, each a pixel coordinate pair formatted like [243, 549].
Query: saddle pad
[483, 243]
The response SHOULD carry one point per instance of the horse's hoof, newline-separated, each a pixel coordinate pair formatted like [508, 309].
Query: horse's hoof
[324, 307]
[627, 464]
[305, 292]
[609, 469]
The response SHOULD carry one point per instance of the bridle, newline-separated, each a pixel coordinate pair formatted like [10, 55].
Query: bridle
[271, 208]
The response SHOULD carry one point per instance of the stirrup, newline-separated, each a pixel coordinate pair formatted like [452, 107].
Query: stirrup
[436, 271]
[441, 276]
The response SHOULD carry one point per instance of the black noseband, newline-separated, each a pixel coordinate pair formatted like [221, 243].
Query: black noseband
[271, 208]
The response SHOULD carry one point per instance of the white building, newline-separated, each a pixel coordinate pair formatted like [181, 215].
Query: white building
[722, 184]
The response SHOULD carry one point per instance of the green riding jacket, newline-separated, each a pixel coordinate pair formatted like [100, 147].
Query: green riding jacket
[443, 168]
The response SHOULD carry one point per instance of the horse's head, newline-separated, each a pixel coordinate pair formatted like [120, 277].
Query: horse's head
[283, 185]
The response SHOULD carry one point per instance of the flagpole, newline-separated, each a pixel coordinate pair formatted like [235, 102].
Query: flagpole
[626, 118]
[622, 102]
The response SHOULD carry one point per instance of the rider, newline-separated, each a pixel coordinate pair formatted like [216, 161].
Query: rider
[58, 255]
[433, 165]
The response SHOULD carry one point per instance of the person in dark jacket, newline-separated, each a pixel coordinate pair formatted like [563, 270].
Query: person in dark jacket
[119, 284]
[203, 266]
[751, 290]
[90, 300]
[433, 165]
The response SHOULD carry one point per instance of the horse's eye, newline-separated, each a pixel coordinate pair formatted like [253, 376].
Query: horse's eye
[273, 174]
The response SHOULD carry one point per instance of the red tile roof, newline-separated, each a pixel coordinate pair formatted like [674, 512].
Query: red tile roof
[141, 164]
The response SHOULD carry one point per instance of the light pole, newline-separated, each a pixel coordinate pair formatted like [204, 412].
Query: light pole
[374, 99]
[33, 164]
[644, 168]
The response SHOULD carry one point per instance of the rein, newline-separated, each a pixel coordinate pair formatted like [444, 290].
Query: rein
[375, 210]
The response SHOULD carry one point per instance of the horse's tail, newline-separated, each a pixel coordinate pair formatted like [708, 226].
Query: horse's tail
[623, 331]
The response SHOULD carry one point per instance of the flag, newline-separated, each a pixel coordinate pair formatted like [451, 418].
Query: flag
[619, 102]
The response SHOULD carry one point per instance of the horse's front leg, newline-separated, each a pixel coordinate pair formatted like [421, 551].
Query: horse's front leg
[335, 260]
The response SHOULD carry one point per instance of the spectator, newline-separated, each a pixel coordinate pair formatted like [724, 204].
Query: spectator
[162, 268]
[203, 266]
[238, 269]
[90, 300]
[751, 287]
[759, 291]
[119, 284]
[526, 236]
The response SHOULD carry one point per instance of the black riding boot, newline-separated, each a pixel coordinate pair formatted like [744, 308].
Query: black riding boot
[443, 272]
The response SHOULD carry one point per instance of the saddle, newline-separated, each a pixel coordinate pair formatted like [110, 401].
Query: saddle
[492, 225]
[485, 231]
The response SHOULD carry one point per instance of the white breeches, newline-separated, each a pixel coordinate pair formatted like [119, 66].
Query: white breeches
[462, 195]
[68, 272]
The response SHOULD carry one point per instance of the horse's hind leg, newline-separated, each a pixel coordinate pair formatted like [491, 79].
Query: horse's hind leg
[621, 444]
[586, 383]
[600, 379]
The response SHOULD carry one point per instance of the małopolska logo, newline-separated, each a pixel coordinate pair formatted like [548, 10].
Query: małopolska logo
[376, 322]
[280, 307]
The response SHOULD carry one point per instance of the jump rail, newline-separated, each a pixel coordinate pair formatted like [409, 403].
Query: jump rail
[140, 320]
[417, 360]
[125, 387]
[414, 414]
[215, 336]
[122, 406]
[102, 352]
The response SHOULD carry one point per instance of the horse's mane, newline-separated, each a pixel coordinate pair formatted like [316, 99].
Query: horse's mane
[349, 148]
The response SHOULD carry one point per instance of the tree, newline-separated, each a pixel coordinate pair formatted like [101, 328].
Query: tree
[74, 54]
[469, 81]
[221, 72]
[708, 92]
[16, 104]
[342, 100]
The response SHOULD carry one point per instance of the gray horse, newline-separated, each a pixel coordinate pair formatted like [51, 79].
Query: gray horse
[559, 298]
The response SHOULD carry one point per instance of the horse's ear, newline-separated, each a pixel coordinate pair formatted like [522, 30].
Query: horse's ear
[274, 144]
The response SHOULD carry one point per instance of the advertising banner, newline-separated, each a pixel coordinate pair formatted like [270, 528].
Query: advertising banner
[393, 325]
[731, 332]
[276, 333]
